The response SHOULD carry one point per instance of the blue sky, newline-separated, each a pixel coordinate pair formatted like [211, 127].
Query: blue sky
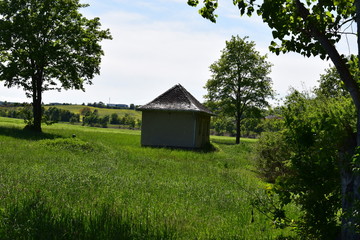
[159, 43]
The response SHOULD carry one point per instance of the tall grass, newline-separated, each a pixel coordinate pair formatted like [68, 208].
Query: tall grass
[103, 185]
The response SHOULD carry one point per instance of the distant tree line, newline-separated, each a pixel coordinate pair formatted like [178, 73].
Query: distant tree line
[12, 104]
[97, 104]
[50, 115]
[127, 120]
[111, 106]
[54, 114]
[11, 112]
[268, 120]
[93, 119]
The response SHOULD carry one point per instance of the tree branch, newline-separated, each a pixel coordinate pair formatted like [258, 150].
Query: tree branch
[336, 58]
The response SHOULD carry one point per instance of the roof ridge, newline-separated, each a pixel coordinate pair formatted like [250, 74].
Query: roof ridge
[187, 94]
[176, 98]
[192, 99]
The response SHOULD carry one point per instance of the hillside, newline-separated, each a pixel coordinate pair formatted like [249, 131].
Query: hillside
[103, 185]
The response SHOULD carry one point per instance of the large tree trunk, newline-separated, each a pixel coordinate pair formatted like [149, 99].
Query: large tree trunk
[239, 111]
[37, 99]
[238, 130]
[37, 114]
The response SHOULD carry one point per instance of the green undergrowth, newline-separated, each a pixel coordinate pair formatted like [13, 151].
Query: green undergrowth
[73, 182]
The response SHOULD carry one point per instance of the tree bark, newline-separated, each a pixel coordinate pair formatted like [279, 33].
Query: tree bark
[238, 130]
[37, 99]
[238, 114]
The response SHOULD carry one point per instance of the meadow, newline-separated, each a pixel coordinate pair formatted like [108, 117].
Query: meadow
[102, 184]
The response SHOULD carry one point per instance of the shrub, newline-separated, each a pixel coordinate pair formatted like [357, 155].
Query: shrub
[114, 119]
[303, 160]
[272, 155]
[104, 121]
[94, 120]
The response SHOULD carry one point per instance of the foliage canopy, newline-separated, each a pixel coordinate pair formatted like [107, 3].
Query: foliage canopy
[47, 45]
[239, 83]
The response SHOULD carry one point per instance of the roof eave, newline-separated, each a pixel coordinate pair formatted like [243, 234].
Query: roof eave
[175, 110]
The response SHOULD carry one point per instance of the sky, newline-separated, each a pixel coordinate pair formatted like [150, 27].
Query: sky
[160, 43]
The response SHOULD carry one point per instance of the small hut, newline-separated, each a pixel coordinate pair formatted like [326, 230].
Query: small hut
[175, 119]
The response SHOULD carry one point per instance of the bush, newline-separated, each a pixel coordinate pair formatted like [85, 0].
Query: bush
[114, 119]
[104, 121]
[85, 111]
[128, 120]
[94, 120]
[303, 160]
[91, 119]
[223, 125]
[272, 155]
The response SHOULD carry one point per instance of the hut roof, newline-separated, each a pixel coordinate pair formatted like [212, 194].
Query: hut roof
[176, 98]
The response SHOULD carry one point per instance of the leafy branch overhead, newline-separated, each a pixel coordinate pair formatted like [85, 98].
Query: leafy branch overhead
[286, 18]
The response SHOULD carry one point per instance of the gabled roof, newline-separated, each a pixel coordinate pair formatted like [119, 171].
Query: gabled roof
[176, 98]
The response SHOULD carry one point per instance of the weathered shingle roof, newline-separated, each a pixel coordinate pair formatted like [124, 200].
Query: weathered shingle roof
[176, 98]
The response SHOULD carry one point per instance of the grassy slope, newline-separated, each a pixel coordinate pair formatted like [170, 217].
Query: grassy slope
[104, 185]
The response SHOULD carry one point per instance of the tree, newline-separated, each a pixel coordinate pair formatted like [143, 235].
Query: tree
[128, 119]
[85, 111]
[47, 45]
[239, 82]
[54, 114]
[114, 119]
[330, 84]
[91, 119]
[104, 121]
[223, 125]
[313, 28]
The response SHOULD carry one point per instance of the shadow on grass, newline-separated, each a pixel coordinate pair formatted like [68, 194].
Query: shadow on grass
[208, 148]
[25, 134]
[232, 141]
[224, 141]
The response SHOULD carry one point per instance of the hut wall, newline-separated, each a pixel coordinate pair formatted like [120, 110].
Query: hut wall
[202, 130]
[168, 129]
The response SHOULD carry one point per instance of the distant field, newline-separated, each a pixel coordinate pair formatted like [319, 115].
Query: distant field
[103, 185]
[101, 111]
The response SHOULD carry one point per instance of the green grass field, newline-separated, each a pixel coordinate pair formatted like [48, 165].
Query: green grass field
[104, 185]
